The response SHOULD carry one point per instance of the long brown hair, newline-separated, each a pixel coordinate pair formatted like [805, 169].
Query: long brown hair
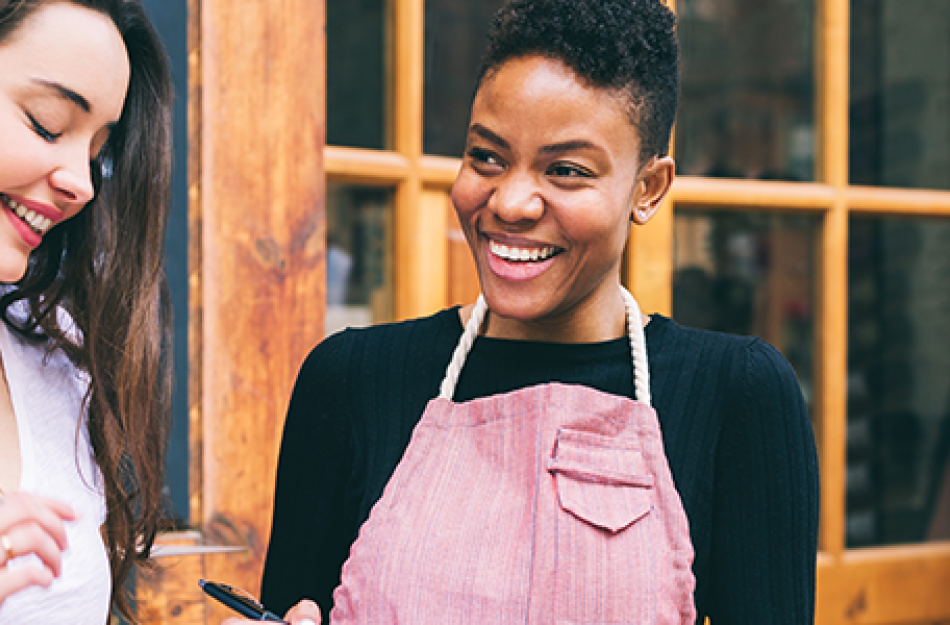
[104, 268]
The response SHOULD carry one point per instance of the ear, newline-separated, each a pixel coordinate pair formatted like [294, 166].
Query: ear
[655, 180]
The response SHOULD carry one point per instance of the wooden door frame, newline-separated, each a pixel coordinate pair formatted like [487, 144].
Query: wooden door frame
[256, 281]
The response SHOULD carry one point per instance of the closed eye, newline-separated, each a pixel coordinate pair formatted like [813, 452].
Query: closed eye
[39, 129]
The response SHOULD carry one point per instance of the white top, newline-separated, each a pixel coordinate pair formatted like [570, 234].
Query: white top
[57, 462]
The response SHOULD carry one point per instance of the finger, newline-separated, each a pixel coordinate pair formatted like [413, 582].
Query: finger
[59, 507]
[304, 613]
[49, 514]
[13, 580]
[31, 538]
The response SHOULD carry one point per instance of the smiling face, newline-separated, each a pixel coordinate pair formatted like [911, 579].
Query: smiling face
[63, 77]
[548, 187]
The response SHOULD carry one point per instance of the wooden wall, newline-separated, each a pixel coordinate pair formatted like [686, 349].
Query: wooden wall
[256, 271]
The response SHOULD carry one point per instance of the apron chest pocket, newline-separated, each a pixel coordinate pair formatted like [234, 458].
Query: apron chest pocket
[601, 480]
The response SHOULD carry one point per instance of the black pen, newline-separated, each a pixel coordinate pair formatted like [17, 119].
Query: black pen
[239, 601]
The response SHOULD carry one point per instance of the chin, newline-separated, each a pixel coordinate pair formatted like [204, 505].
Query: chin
[520, 306]
[11, 271]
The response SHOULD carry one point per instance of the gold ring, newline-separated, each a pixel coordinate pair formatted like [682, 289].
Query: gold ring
[7, 548]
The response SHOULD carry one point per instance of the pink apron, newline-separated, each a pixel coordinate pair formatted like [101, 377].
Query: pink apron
[550, 504]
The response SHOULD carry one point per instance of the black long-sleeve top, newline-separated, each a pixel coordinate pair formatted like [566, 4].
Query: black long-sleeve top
[735, 430]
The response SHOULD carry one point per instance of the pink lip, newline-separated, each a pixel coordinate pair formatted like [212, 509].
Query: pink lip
[511, 270]
[31, 238]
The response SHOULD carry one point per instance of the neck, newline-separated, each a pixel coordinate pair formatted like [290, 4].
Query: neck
[594, 320]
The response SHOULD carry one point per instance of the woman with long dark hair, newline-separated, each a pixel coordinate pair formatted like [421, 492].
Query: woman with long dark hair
[85, 96]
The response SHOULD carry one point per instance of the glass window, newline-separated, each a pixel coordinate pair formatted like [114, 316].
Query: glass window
[747, 107]
[455, 36]
[752, 274]
[900, 93]
[359, 255]
[170, 18]
[898, 474]
[356, 73]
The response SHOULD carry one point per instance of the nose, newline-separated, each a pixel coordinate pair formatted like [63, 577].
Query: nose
[72, 178]
[517, 199]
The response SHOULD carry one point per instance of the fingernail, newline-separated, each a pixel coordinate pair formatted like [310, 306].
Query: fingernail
[307, 621]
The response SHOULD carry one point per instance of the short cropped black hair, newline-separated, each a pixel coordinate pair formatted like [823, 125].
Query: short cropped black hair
[625, 46]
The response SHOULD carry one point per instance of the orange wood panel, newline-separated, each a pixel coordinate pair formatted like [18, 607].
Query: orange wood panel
[364, 166]
[262, 243]
[832, 361]
[432, 289]
[411, 261]
[834, 26]
[168, 594]
[195, 293]
[648, 262]
[463, 285]
[833, 55]
[905, 202]
[743, 194]
[440, 170]
[884, 586]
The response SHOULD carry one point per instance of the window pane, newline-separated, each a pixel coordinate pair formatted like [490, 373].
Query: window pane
[455, 35]
[898, 474]
[900, 93]
[752, 274]
[356, 76]
[747, 107]
[359, 256]
[170, 18]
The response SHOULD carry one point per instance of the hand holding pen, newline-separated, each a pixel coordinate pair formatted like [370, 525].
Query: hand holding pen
[304, 613]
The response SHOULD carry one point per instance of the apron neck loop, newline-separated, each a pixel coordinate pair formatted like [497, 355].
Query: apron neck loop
[638, 350]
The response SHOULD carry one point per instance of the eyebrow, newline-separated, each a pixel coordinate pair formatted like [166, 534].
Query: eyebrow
[554, 148]
[488, 135]
[569, 146]
[65, 93]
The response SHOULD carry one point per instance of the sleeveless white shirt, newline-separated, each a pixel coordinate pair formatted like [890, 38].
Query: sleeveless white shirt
[57, 462]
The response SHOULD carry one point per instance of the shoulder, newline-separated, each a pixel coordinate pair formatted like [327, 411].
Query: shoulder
[666, 339]
[379, 345]
[348, 368]
[729, 368]
[41, 363]
[670, 336]
[680, 352]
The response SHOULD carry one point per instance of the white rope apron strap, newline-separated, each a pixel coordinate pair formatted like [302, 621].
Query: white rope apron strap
[638, 348]
[462, 349]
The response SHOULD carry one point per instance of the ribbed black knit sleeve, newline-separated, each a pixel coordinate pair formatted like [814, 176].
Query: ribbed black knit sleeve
[765, 512]
[308, 545]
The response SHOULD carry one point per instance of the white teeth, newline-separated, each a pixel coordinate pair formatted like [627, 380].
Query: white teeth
[521, 254]
[34, 220]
